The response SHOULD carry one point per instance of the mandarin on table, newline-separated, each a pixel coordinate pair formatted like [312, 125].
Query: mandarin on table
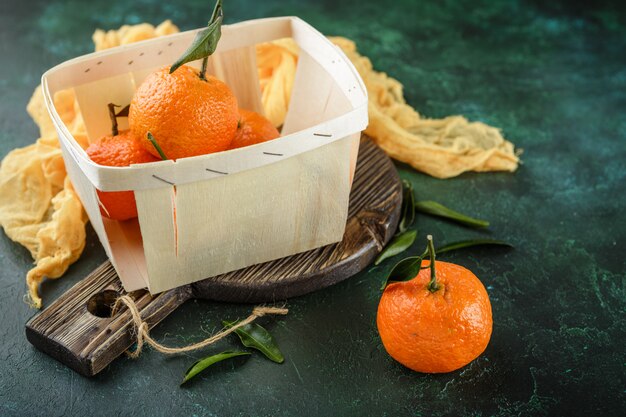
[252, 128]
[118, 151]
[435, 330]
[186, 115]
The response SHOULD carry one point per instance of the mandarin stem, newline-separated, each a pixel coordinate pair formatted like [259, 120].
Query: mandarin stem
[156, 146]
[114, 129]
[432, 285]
[217, 10]
[205, 62]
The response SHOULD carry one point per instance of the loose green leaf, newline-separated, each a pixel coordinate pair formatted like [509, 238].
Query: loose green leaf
[399, 243]
[205, 42]
[202, 364]
[256, 337]
[437, 209]
[156, 146]
[408, 268]
[408, 206]
[404, 238]
[404, 270]
[472, 242]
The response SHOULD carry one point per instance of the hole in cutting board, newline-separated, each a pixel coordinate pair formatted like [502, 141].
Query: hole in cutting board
[101, 304]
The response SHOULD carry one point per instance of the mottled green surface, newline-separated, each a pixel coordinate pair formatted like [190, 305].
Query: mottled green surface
[553, 77]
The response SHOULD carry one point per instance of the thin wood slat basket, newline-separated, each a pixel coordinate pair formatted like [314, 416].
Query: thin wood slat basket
[211, 214]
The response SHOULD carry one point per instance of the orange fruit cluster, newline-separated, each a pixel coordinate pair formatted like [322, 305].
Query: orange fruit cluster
[174, 116]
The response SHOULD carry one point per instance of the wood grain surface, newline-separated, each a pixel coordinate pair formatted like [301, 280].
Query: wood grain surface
[78, 330]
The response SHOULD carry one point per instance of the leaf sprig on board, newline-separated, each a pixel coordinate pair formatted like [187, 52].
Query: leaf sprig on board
[472, 242]
[409, 267]
[398, 244]
[408, 207]
[204, 363]
[251, 335]
[256, 337]
[404, 238]
[437, 209]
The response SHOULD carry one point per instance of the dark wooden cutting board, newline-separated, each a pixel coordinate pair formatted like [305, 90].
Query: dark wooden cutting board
[78, 330]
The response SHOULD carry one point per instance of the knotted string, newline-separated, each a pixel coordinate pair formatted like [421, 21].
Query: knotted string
[143, 333]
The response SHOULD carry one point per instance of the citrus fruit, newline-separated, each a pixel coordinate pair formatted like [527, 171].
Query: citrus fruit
[187, 116]
[118, 151]
[435, 325]
[252, 128]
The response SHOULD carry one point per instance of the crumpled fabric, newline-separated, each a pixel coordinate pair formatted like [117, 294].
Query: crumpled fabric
[131, 33]
[276, 62]
[39, 208]
[443, 148]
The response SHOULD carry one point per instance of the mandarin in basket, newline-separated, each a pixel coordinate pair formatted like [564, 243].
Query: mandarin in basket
[186, 113]
[252, 128]
[437, 322]
[180, 112]
[118, 150]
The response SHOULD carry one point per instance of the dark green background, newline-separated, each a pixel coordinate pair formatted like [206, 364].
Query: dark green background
[552, 76]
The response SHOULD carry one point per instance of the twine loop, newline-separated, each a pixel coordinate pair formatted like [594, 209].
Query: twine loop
[143, 330]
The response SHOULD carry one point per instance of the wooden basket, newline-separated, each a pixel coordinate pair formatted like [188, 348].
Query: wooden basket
[211, 214]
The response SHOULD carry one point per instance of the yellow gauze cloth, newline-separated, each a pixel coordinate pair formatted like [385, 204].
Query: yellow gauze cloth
[443, 148]
[38, 206]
